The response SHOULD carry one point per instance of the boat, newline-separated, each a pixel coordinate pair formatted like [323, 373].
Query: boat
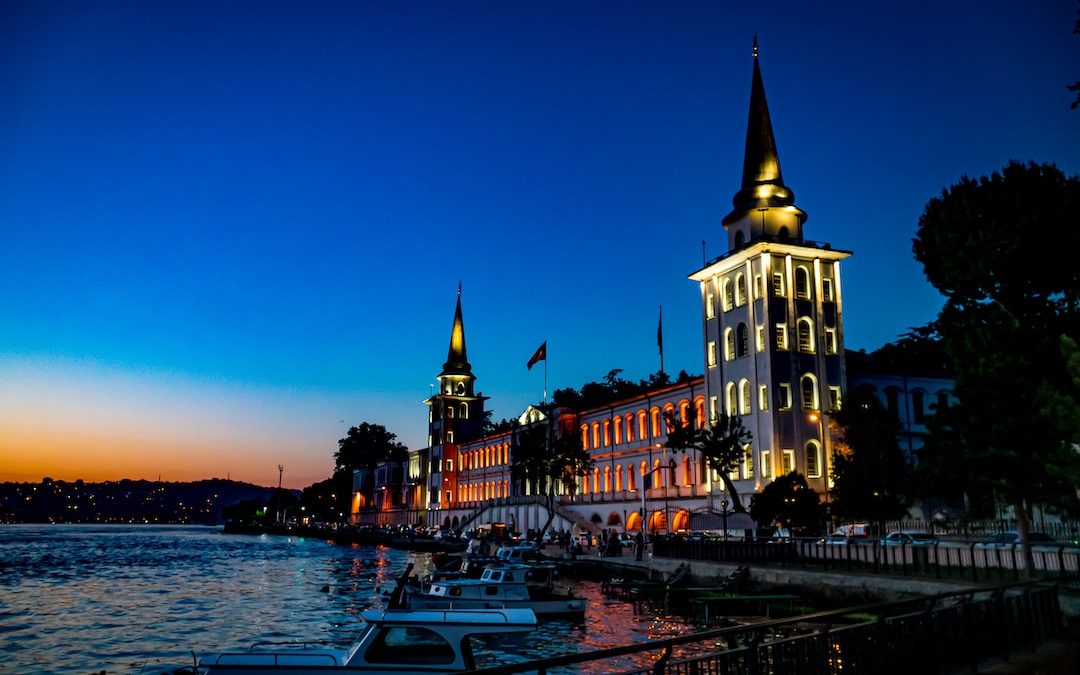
[507, 586]
[393, 642]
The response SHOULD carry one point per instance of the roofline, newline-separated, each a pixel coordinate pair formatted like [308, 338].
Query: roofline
[819, 249]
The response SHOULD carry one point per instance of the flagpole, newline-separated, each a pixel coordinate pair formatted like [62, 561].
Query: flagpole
[660, 337]
[545, 374]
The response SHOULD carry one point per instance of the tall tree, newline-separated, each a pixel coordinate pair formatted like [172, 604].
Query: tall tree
[722, 444]
[547, 465]
[1001, 249]
[363, 447]
[870, 474]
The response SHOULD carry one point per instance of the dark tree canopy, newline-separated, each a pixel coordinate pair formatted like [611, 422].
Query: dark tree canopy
[544, 462]
[870, 473]
[789, 502]
[612, 388]
[1001, 249]
[723, 445]
[367, 445]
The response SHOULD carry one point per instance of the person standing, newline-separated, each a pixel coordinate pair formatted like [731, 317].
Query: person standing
[639, 546]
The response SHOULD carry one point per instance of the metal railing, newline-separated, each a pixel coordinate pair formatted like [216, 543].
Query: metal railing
[955, 560]
[932, 634]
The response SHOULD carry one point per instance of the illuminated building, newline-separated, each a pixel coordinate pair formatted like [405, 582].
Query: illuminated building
[773, 319]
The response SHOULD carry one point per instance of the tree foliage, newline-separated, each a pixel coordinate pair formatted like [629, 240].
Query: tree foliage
[613, 387]
[1001, 249]
[367, 445]
[546, 463]
[870, 474]
[722, 444]
[790, 502]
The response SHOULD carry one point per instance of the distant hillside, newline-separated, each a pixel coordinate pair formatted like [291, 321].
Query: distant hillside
[125, 501]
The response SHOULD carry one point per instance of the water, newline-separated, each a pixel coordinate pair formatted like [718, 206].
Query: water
[140, 599]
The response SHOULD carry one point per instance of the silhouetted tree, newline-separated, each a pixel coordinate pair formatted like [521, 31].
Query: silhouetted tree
[1001, 249]
[790, 502]
[723, 445]
[871, 476]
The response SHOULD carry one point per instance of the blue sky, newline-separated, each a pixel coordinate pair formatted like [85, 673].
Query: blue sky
[229, 230]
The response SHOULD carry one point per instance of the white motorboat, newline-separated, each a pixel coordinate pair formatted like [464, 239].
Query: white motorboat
[393, 642]
[507, 586]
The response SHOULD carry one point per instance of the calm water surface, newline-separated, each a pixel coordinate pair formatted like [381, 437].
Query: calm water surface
[140, 599]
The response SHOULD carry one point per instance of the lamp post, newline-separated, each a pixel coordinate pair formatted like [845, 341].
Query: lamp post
[724, 505]
[819, 419]
[644, 488]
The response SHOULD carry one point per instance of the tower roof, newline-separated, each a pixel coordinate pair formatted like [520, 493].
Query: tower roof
[762, 183]
[457, 362]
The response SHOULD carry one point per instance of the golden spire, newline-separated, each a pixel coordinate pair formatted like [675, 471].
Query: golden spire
[457, 362]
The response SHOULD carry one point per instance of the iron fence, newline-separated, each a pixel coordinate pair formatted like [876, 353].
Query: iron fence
[934, 634]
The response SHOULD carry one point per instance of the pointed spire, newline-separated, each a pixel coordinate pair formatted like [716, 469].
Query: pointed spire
[762, 183]
[457, 362]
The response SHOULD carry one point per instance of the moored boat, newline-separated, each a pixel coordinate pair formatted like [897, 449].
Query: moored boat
[394, 642]
[506, 586]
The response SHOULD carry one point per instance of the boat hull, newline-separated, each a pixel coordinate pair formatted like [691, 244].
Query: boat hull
[555, 608]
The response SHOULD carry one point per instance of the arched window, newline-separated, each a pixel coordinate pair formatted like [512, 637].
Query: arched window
[630, 428]
[596, 434]
[658, 475]
[464, 411]
[585, 436]
[699, 413]
[642, 426]
[618, 478]
[684, 413]
[669, 413]
[804, 329]
[744, 397]
[726, 295]
[618, 430]
[732, 403]
[802, 283]
[596, 479]
[729, 344]
[630, 477]
[813, 459]
[687, 471]
[809, 389]
[644, 471]
[739, 238]
[655, 415]
[585, 484]
[607, 479]
[740, 289]
[784, 233]
[607, 433]
[742, 340]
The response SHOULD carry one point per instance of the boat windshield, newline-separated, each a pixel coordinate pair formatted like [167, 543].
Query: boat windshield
[410, 645]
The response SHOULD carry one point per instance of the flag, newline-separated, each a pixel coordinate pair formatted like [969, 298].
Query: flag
[540, 355]
[660, 332]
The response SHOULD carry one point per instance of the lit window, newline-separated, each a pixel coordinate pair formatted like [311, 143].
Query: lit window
[759, 289]
[742, 340]
[813, 460]
[805, 333]
[830, 341]
[826, 290]
[784, 396]
[763, 397]
[802, 283]
[744, 397]
[766, 464]
[710, 312]
[740, 289]
[778, 284]
[713, 416]
[449, 465]
[449, 436]
[760, 338]
[629, 428]
[788, 461]
[464, 411]
[732, 403]
[748, 463]
[712, 353]
[725, 294]
[596, 434]
[808, 388]
[450, 411]
[834, 398]
[781, 336]
[729, 344]
[607, 433]
[618, 430]
[584, 436]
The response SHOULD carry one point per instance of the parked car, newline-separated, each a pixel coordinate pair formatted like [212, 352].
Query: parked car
[626, 539]
[1012, 537]
[908, 538]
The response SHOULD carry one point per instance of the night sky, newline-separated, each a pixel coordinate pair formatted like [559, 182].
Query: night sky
[230, 230]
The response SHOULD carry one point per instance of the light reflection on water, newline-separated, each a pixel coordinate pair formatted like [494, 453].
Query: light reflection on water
[140, 599]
